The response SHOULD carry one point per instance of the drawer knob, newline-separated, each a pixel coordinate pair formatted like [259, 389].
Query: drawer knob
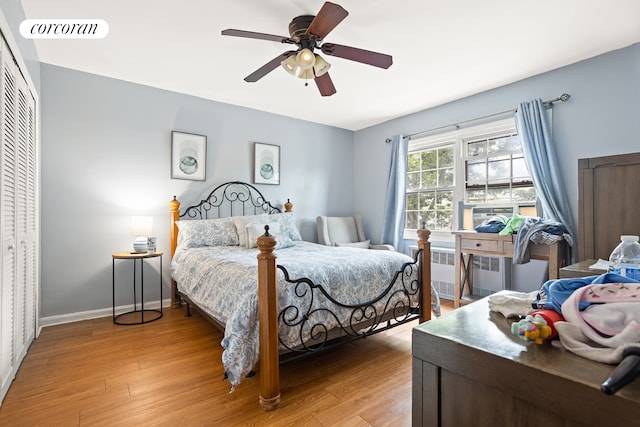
[478, 244]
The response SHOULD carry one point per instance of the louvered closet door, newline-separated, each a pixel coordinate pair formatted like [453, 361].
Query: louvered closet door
[7, 218]
[18, 219]
[24, 318]
[31, 225]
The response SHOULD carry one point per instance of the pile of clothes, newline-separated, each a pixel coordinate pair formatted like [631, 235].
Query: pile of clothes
[600, 315]
[526, 228]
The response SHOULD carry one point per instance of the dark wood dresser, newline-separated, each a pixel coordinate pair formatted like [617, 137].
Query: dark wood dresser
[470, 370]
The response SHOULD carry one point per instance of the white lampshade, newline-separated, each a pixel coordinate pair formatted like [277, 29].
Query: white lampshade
[290, 64]
[141, 225]
[321, 66]
[307, 74]
[305, 59]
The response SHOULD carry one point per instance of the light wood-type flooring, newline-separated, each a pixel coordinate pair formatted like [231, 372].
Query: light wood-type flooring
[169, 373]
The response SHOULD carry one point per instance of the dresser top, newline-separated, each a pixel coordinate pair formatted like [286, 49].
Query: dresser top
[478, 331]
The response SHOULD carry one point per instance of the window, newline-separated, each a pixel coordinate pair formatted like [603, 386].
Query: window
[479, 165]
[495, 171]
[430, 187]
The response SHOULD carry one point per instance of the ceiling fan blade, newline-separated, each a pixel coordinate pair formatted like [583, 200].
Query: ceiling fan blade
[329, 16]
[260, 36]
[268, 67]
[325, 85]
[359, 55]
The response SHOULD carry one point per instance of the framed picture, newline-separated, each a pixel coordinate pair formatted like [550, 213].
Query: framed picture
[266, 163]
[188, 156]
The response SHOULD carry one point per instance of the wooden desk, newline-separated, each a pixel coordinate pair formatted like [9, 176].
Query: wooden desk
[470, 370]
[469, 243]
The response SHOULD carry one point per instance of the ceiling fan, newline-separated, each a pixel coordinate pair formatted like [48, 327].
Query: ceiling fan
[308, 33]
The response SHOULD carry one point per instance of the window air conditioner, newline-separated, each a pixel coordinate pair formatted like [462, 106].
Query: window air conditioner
[483, 213]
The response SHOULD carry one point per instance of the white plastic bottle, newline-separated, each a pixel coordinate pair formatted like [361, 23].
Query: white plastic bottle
[625, 258]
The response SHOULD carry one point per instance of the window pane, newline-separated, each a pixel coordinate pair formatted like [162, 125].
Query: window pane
[444, 200]
[429, 179]
[412, 202]
[444, 220]
[445, 177]
[476, 196]
[524, 194]
[515, 142]
[429, 159]
[499, 168]
[427, 200]
[476, 171]
[413, 180]
[477, 148]
[412, 220]
[500, 194]
[445, 157]
[519, 168]
[413, 162]
[500, 144]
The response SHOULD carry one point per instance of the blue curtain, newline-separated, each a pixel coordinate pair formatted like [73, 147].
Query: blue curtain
[395, 201]
[541, 160]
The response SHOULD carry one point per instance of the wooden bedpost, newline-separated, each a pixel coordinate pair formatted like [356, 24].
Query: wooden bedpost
[288, 206]
[268, 318]
[425, 245]
[175, 217]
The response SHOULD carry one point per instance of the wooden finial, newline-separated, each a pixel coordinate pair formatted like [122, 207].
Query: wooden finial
[288, 206]
[423, 234]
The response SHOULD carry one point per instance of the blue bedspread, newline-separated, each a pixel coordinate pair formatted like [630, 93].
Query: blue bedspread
[222, 280]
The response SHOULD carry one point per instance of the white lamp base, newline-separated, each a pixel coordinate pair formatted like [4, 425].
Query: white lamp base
[141, 245]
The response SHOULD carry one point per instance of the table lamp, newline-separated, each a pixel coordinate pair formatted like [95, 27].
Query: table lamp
[141, 226]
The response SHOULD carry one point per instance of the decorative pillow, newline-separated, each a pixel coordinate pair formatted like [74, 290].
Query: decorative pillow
[207, 232]
[282, 241]
[287, 224]
[256, 229]
[241, 223]
[363, 245]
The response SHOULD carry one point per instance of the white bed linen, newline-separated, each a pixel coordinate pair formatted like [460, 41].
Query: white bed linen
[222, 280]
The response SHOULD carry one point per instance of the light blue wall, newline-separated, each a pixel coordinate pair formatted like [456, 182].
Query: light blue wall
[106, 156]
[601, 118]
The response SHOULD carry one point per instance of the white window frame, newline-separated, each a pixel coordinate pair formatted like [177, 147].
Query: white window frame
[458, 137]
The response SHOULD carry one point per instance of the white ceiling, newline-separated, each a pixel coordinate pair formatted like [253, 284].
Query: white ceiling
[442, 49]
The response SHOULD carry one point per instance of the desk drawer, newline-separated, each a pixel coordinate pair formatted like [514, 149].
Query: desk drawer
[479, 245]
[508, 248]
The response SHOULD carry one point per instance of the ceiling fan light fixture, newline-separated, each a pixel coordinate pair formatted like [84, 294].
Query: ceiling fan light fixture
[290, 65]
[305, 59]
[307, 74]
[321, 66]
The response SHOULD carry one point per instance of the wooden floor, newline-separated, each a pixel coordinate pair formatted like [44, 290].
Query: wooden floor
[168, 373]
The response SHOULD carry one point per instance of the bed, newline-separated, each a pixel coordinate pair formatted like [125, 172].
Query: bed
[224, 252]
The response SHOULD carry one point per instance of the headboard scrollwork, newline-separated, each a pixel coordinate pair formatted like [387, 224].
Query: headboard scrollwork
[233, 198]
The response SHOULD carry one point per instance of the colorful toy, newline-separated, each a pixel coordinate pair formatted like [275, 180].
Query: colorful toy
[537, 327]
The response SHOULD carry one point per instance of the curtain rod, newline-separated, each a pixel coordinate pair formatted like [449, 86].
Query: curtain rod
[564, 98]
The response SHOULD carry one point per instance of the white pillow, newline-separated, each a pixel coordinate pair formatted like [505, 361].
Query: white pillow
[241, 223]
[363, 245]
[255, 230]
[207, 232]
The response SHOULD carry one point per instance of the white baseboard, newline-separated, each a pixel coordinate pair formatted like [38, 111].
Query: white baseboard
[94, 314]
